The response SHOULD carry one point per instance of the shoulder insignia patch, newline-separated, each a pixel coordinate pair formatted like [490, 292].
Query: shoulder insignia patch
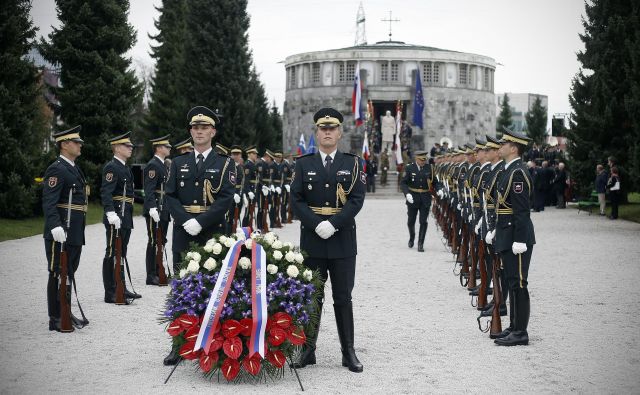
[246, 171]
[518, 187]
[232, 177]
[152, 174]
[108, 177]
[363, 177]
[53, 181]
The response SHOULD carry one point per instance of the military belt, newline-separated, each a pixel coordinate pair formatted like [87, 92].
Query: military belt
[123, 199]
[253, 181]
[476, 205]
[76, 207]
[159, 191]
[288, 179]
[267, 180]
[418, 190]
[238, 186]
[195, 209]
[491, 206]
[325, 210]
[505, 211]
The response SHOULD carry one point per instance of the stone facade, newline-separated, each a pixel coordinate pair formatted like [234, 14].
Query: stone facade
[458, 90]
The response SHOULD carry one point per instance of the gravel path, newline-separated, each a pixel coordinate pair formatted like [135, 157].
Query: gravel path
[415, 329]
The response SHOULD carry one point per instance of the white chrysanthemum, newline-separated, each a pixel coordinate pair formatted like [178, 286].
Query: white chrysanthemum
[208, 247]
[245, 263]
[307, 274]
[277, 255]
[229, 242]
[272, 269]
[210, 264]
[217, 249]
[222, 239]
[248, 243]
[277, 244]
[183, 272]
[269, 238]
[193, 266]
[212, 241]
[293, 271]
[290, 256]
[299, 257]
[196, 256]
[289, 245]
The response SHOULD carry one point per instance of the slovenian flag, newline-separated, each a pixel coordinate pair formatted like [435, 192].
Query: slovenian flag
[356, 98]
[365, 151]
[302, 146]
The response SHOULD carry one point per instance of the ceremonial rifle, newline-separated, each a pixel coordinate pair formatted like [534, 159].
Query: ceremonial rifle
[484, 285]
[472, 241]
[252, 205]
[278, 202]
[162, 275]
[265, 206]
[118, 267]
[64, 289]
[236, 210]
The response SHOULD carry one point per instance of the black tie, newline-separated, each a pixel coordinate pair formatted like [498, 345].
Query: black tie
[327, 162]
[200, 162]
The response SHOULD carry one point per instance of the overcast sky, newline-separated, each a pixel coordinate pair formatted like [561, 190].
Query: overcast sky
[535, 41]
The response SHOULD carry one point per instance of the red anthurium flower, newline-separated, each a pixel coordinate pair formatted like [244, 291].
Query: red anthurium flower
[192, 334]
[252, 365]
[207, 361]
[269, 324]
[230, 368]
[232, 347]
[231, 328]
[277, 336]
[276, 358]
[247, 325]
[175, 328]
[216, 343]
[282, 319]
[296, 336]
[187, 321]
[186, 351]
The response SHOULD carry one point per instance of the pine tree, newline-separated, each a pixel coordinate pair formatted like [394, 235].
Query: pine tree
[276, 124]
[605, 95]
[99, 88]
[536, 120]
[168, 104]
[505, 119]
[265, 135]
[23, 127]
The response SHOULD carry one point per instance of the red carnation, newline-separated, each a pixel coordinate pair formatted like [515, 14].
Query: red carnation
[276, 358]
[230, 368]
[231, 328]
[296, 336]
[186, 351]
[277, 336]
[247, 325]
[252, 365]
[232, 347]
[282, 319]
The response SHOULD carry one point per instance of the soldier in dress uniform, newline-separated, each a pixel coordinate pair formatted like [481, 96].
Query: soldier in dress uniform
[183, 147]
[416, 186]
[155, 211]
[284, 173]
[199, 191]
[287, 169]
[64, 223]
[276, 190]
[116, 194]
[266, 186]
[328, 191]
[250, 182]
[513, 237]
[236, 155]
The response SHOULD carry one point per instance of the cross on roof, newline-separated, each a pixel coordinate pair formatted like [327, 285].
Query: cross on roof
[390, 20]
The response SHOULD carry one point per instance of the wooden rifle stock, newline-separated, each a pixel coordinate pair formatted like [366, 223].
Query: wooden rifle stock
[162, 275]
[496, 322]
[276, 208]
[64, 293]
[484, 284]
[252, 207]
[474, 260]
[265, 214]
[289, 209]
[236, 214]
[118, 270]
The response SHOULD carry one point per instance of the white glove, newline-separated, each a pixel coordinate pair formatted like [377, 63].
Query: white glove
[459, 207]
[440, 194]
[245, 202]
[518, 248]
[325, 229]
[192, 227]
[287, 187]
[409, 198]
[58, 234]
[265, 190]
[251, 195]
[236, 198]
[385, 168]
[273, 189]
[477, 229]
[113, 219]
[470, 218]
[489, 237]
[153, 213]
[278, 190]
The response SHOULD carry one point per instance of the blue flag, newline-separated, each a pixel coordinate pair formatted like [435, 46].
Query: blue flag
[418, 102]
[312, 145]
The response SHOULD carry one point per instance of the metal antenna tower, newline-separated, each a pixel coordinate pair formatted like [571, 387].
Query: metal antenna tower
[361, 34]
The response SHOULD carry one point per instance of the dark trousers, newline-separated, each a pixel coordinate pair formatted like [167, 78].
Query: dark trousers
[108, 270]
[342, 272]
[560, 198]
[538, 200]
[516, 268]
[371, 184]
[614, 198]
[412, 213]
[152, 243]
[52, 252]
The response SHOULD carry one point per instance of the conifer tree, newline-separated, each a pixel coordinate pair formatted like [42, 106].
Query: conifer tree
[505, 118]
[536, 120]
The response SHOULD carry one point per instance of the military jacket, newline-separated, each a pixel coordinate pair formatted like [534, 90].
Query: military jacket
[285, 172]
[336, 196]
[205, 195]
[479, 186]
[239, 178]
[275, 174]
[513, 222]
[116, 180]
[249, 179]
[155, 178]
[418, 182]
[60, 178]
[492, 194]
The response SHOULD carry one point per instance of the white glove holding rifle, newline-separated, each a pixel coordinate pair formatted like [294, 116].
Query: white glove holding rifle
[113, 219]
[153, 213]
[58, 234]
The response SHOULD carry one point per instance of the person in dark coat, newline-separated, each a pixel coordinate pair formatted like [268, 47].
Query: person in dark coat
[601, 187]
[614, 186]
[372, 170]
[416, 186]
[559, 185]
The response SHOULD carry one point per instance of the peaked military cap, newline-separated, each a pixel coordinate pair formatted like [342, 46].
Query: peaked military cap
[480, 143]
[422, 155]
[250, 149]
[510, 136]
[236, 149]
[492, 142]
[270, 154]
[278, 154]
[222, 149]
[184, 144]
[164, 140]
[469, 148]
[72, 134]
[201, 115]
[328, 118]
[121, 139]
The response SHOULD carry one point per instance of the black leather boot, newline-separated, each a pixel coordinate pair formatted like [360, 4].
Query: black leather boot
[519, 335]
[107, 281]
[53, 306]
[421, 234]
[412, 235]
[152, 277]
[344, 321]
[173, 358]
[512, 318]
[308, 353]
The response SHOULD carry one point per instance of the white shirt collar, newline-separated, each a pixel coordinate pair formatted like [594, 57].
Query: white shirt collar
[513, 160]
[69, 161]
[482, 166]
[332, 155]
[496, 164]
[205, 154]
[159, 158]
[120, 160]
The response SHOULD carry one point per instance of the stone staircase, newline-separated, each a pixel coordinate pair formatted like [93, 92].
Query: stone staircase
[389, 191]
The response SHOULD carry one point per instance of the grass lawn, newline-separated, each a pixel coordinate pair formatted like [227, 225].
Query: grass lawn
[630, 211]
[18, 228]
